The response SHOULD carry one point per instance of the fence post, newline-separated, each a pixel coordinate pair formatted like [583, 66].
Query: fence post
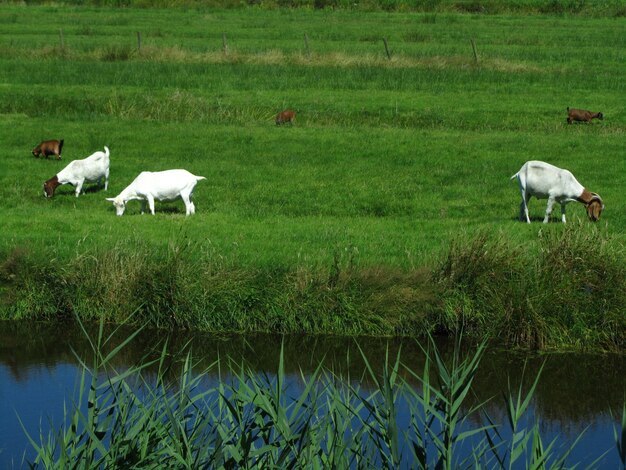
[474, 50]
[387, 48]
[224, 44]
[306, 45]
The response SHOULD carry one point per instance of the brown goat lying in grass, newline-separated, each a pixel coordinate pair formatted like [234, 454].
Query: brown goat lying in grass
[582, 115]
[49, 147]
[285, 116]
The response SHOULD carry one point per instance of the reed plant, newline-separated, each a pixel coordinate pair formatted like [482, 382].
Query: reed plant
[620, 438]
[145, 416]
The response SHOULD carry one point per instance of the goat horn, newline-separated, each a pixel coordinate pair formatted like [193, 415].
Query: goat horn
[596, 197]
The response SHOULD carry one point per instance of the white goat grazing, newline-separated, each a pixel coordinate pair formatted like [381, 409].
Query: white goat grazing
[94, 168]
[161, 185]
[543, 180]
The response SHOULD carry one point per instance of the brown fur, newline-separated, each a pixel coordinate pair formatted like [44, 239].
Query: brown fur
[49, 147]
[285, 116]
[593, 203]
[582, 115]
[594, 209]
[50, 186]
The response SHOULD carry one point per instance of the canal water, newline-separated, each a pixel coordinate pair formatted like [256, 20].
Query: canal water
[577, 393]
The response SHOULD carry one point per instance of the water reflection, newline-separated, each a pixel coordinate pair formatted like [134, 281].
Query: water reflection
[575, 391]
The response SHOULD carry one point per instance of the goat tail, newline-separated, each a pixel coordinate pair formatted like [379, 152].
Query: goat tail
[515, 175]
[198, 178]
[106, 151]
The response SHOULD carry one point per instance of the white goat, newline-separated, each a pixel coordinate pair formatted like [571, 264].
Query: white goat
[94, 168]
[543, 180]
[161, 185]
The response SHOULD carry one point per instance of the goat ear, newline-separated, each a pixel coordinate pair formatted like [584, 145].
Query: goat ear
[112, 199]
[594, 209]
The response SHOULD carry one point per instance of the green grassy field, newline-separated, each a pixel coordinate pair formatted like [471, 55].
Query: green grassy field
[389, 160]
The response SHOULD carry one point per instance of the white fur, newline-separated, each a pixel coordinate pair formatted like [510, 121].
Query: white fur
[545, 181]
[160, 185]
[91, 169]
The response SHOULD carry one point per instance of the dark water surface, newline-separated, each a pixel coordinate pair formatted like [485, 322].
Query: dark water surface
[576, 393]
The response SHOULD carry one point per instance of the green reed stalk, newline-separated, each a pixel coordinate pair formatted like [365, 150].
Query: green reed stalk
[442, 408]
[136, 418]
[620, 438]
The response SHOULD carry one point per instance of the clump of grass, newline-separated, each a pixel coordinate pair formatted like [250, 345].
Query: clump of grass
[407, 301]
[116, 53]
[477, 276]
[587, 273]
[570, 291]
[12, 264]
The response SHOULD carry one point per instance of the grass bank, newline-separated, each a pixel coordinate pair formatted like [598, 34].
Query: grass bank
[568, 292]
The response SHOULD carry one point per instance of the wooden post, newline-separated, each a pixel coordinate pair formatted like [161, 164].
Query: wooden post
[387, 48]
[138, 40]
[224, 44]
[306, 45]
[61, 39]
[474, 49]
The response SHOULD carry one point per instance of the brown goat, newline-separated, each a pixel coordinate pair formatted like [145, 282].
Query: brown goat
[582, 115]
[285, 116]
[49, 147]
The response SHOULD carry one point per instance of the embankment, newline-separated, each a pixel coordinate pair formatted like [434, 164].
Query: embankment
[566, 289]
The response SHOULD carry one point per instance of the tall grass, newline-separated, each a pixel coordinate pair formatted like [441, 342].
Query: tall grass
[141, 417]
[560, 293]
[567, 293]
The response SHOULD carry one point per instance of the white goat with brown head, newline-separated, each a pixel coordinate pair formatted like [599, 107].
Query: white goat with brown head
[94, 168]
[545, 181]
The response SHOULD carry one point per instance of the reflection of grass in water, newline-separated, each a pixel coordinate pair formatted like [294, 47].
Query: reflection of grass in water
[134, 419]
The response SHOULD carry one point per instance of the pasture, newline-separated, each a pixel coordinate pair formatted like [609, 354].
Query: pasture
[390, 161]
